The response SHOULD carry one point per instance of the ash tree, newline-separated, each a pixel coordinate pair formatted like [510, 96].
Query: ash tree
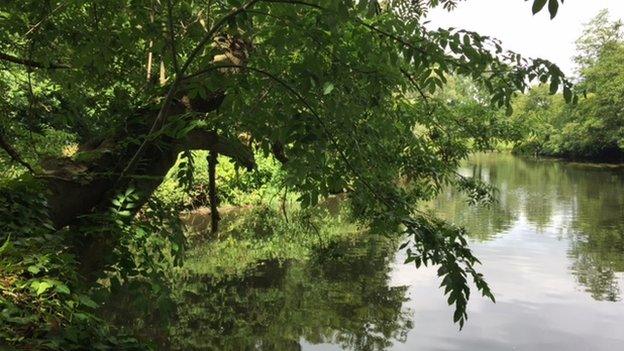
[343, 93]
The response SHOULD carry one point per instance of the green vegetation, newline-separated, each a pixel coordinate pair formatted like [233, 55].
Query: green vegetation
[117, 115]
[43, 300]
[593, 129]
[262, 234]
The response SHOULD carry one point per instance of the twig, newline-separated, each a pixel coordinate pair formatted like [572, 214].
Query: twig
[48, 15]
[333, 140]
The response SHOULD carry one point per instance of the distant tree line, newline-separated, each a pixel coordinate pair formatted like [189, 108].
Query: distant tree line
[592, 129]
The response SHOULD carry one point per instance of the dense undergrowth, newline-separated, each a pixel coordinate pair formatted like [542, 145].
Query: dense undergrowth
[263, 234]
[43, 303]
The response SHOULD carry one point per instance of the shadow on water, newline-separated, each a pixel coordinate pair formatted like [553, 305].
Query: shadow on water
[340, 296]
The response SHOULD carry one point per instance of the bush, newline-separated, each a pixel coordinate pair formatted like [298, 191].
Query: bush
[43, 303]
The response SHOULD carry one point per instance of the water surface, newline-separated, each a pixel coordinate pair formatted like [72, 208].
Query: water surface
[552, 250]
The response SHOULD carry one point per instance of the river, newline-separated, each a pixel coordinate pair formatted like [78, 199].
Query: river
[552, 249]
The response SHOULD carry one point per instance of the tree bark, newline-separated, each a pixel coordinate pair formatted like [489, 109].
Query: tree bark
[212, 192]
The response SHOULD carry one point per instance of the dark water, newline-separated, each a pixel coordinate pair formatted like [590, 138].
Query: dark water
[552, 249]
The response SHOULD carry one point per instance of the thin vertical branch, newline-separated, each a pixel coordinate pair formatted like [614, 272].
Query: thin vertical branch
[284, 207]
[174, 53]
[150, 54]
[149, 61]
[162, 76]
[212, 192]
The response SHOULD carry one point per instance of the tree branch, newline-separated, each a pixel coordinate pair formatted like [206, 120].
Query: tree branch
[357, 19]
[162, 113]
[326, 130]
[14, 155]
[31, 63]
[174, 53]
[295, 2]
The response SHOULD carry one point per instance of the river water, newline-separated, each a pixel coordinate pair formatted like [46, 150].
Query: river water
[552, 250]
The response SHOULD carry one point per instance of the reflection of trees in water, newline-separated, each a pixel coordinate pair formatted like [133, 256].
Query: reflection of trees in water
[598, 257]
[586, 201]
[340, 296]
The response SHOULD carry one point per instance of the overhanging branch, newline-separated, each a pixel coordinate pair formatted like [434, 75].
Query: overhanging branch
[14, 155]
[31, 63]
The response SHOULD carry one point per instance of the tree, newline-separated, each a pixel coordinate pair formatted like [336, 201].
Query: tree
[600, 33]
[604, 80]
[594, 128]
[341, 92]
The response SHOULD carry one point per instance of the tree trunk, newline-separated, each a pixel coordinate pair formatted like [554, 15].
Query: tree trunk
[212, 193]
[80, 189]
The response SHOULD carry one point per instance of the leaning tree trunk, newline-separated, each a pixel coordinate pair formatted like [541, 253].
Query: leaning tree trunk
[81, 189]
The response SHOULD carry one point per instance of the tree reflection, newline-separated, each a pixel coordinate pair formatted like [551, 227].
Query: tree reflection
[341, 296]
[585, 202]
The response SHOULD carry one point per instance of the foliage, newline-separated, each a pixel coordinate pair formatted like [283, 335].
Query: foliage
[343, 92]
[599, 34]
[594, 128]
[43, 303]
[338, 293]
[251, 240]
[437, 242]
[260, 234]
[237, 187]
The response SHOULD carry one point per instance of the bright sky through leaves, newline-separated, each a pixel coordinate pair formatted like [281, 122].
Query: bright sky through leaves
[533, 36]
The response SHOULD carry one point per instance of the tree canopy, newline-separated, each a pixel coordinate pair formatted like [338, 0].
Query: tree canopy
[102, 97]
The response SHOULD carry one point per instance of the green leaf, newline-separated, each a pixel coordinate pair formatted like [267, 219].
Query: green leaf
[508, 109]
[61, 288]
[34, 269]
[41, 287]
[6, 246]
[458, 315]
[538, 5]
[85, 300]
[328, 88]
[553, 7]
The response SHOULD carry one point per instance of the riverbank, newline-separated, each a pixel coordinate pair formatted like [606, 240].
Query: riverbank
[251, 235]
[575, 161]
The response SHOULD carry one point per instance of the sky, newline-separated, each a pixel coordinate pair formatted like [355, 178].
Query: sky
[532, 36]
